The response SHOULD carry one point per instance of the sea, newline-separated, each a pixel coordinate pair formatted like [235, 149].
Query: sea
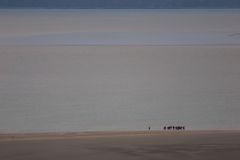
[75, 70]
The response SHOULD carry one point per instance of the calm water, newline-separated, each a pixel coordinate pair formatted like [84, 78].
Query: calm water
[78, 70]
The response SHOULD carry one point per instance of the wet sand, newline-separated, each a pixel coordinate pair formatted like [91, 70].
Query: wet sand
[212, 145]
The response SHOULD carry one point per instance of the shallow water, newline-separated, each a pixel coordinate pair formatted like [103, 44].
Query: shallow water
[78, 70]
[124, 27]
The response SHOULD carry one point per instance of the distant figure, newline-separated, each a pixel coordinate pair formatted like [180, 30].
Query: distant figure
[169, 127]
[164, 128]
[149, 128]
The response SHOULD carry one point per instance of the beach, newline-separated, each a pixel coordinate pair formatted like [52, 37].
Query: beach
[167, 145]
[88, 84]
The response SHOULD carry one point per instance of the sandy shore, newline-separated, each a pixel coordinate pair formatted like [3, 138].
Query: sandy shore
[121, 145]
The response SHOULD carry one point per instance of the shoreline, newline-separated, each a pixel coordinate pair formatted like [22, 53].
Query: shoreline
[103, 134]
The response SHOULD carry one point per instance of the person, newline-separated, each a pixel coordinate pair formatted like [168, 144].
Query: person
[169, 128]
[149, 128]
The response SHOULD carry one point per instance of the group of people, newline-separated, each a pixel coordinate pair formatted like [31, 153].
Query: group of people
[171, 128]
[174, 128]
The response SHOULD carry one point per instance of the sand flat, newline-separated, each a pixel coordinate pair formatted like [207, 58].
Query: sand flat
[122, 145]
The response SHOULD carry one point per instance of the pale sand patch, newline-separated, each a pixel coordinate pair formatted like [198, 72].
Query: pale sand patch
[104, 134]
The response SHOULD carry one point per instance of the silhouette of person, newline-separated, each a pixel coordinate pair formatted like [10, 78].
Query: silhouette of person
[170, 127]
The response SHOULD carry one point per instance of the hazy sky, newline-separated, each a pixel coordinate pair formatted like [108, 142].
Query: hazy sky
[121, 3]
